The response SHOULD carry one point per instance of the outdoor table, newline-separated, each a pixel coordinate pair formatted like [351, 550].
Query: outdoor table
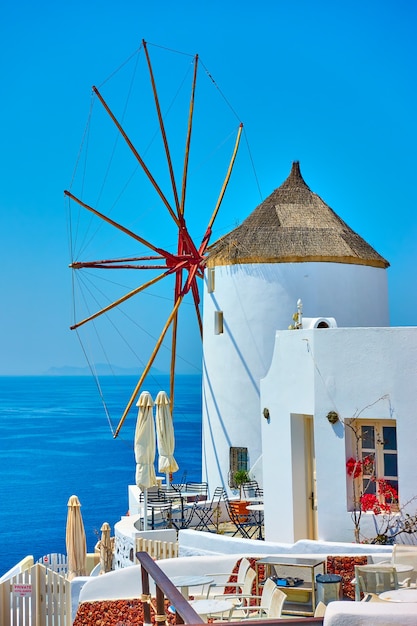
[400, 568]
[293, 566]
[259, 509]
[407, 594]
[210, 607]
[184, 582]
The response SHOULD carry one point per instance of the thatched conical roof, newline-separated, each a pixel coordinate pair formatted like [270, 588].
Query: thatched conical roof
[293, 225]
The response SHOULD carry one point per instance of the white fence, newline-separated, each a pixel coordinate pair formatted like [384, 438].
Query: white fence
[156, 549]
[36, 597]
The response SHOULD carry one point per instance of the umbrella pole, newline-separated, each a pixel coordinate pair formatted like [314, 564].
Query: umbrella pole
[145, 509]
[167, 479]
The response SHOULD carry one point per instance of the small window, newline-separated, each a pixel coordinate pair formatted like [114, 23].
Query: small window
[238, 460]
[218, 322]
[211, 276]
[371, 449]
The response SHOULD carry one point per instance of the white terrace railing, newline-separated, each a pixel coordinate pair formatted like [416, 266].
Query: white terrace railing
[157, 549]
[37, 596]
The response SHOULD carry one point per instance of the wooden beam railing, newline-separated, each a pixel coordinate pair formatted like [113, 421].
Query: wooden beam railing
[184, 612]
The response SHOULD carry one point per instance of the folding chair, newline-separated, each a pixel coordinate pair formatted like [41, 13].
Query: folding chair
[247, 525]
[250, 489]
[182, 518]
[209, 513]
[200, 489]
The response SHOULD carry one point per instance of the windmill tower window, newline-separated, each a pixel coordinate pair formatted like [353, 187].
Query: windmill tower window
[218, 322]
[211, 276]
[238, 460]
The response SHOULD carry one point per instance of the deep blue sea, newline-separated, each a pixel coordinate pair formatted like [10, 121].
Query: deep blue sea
[55, 441]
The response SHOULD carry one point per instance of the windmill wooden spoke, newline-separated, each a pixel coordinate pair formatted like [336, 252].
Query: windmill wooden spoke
[137, 155]
[173, 361]
[148, 365]
[196, 299]
[111, 264]
[188, 141]
[226, 180]
[116, 225]
[121, 300]
[162, 127]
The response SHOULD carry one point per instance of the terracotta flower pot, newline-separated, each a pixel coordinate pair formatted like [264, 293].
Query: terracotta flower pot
[239, 509]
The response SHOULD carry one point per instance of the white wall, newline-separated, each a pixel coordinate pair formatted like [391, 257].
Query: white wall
[359, 370]
[256, 300]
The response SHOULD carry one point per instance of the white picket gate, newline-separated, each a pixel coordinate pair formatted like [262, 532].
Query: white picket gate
[36, 597]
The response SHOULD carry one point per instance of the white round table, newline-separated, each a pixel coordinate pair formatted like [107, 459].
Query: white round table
[184, 582]
[258, 508]
[209, 607]
[400, 568]
[407, 594]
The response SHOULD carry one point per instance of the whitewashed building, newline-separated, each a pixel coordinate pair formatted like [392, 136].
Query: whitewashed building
[293, 246]
[367, 376]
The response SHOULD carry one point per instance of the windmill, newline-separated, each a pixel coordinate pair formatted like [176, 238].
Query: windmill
[186, 264]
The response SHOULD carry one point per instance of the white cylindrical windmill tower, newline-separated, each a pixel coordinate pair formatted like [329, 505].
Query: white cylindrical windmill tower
[293, 246]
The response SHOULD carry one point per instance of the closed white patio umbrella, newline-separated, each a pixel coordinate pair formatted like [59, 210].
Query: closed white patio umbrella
[166, 438]
[75, 540]
[145, 449]
[106, 549]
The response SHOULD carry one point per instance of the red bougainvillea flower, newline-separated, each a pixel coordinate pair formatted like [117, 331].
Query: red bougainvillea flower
[353, 467]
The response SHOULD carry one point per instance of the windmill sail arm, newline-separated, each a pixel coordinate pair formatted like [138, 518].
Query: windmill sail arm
[188, 140]
[116, 224]
[121, 300]
[161, 125]
[227, 178]
[148, 366]
[137, 155]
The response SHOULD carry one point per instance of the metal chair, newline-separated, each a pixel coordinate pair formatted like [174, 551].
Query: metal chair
[247, 524]
[209, 513]
[160, 507]
[200, 489]
[181, 484]
[250, 489]
[182, 518]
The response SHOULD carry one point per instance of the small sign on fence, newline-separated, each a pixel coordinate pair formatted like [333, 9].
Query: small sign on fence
[22, 590]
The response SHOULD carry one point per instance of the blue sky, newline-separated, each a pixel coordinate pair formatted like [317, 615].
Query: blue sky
[331, 84]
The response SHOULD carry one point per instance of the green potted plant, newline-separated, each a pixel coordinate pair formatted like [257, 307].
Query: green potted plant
[240, 477]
